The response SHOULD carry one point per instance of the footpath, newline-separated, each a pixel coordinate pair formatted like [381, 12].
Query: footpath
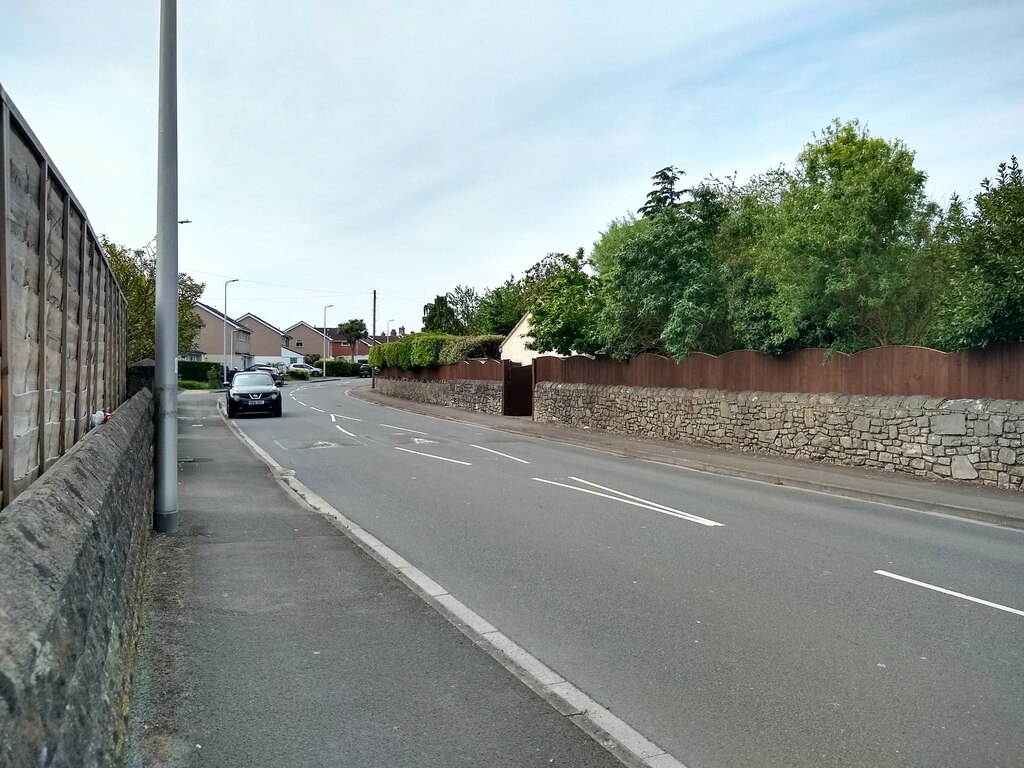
[270, 639]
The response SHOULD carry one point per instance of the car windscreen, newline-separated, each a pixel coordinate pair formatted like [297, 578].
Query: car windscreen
[252, 380]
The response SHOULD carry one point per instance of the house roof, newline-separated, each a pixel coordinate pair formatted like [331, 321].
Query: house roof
[517, 329]
[220, 316]
[313, 328]
[251, 316]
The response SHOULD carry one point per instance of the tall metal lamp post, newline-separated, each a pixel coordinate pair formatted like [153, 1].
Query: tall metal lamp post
[387, 331]
[323, 360]
[233, 280]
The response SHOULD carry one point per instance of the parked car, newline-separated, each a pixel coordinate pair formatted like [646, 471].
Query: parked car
[306, 368]
[274, 373]
[366, 371]
[253, 392]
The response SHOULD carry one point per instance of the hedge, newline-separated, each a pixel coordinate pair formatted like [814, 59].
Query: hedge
[425, 350]
[196, 370]
[342, 368]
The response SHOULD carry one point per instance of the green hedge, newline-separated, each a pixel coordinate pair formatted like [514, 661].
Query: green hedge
[197, 385]
[195, 370]
[298, 375]
[342, 368]
[425, 350]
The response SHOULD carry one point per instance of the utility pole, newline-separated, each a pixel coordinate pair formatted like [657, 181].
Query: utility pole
[373, 337]
[165, 497]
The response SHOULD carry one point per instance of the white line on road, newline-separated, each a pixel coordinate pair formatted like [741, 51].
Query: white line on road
[405, 429]
[950, 592]
[645, 505]
[432, 456]
[300, 402]
[523, 461]
[314, 408]
[629, 496]
[336, 416]
[344, 430]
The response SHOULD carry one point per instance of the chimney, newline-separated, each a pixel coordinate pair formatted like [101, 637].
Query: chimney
[401, 330]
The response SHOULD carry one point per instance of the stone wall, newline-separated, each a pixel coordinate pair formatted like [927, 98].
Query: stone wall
[458, 393]
[972, 440]
[72, 552]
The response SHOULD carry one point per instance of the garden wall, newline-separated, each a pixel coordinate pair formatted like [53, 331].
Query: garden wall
[980, 440]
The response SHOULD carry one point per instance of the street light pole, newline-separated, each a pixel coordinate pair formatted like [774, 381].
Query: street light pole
[387, 332]
[225, 356]
[323, 360]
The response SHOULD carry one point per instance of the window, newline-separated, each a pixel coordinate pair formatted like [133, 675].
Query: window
[298, 342]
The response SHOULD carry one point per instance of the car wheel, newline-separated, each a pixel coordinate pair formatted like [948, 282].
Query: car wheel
[277, 411]
[231, 411]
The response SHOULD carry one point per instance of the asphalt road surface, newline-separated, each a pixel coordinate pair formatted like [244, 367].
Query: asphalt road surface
[734, 623]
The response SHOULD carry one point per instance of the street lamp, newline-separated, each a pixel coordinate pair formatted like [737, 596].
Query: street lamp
[323, 360]
[387, 332]
[233, 280]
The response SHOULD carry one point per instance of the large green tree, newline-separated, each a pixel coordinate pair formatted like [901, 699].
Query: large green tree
[985, 300]
[565, 310]
[844, 252]
[135, 270]
[465, 302]
[501, 308]
[439, 317]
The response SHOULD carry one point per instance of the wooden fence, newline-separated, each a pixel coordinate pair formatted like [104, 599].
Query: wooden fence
[996, 372]
[62, 313]
[470, 370]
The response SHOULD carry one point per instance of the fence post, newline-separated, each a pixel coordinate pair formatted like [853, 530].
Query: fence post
[44, 304]
[6, 474]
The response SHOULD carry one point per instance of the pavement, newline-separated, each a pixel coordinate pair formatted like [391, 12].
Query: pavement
[270, 638]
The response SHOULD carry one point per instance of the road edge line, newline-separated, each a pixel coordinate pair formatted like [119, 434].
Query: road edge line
[617, 736]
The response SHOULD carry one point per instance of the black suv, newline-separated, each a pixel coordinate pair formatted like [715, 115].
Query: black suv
[253, 392]
[365, 371]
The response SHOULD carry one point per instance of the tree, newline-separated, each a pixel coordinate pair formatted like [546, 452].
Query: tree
[465, 302]
[602, 258]
[664, 195]
[985, 301]
[352, 331]
[564, 314]
[440, 317]
[502, 307]
[844, 253]
[135, 270]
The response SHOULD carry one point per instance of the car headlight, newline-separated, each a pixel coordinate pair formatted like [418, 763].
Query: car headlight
[273, 395]
[235, 397]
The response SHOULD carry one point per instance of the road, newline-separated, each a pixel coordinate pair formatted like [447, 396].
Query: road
[734, 623]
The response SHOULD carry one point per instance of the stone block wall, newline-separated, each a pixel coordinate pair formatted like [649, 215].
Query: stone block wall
[980, 441]
[483, 396]
[72, 552]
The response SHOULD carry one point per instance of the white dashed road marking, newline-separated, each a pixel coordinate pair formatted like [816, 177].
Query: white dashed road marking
[945, 591]
[432, 456]
[635, 501]
[521, 461]
[405, 429]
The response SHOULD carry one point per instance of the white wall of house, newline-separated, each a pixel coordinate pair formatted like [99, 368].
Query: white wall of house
[514, 346]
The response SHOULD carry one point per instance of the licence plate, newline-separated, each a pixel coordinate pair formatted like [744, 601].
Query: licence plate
[258, 402]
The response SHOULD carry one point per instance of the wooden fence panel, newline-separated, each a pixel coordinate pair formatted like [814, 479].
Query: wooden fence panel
[996, 372]
[62, 314]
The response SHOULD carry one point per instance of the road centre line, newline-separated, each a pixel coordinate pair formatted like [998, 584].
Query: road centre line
[644, 505]
[314, 408]
[335, 416]
[949, 592]
[344, 430]
[432, 456]
[524, 461]
[300, 402]
[405, 429]
[634, 498]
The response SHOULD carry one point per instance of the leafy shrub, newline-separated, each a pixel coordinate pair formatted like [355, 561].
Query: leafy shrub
[197, 370]
[459, 348]
[198, 384]
[215, 377]
[342, 368]
[423, 350]
[298, 375]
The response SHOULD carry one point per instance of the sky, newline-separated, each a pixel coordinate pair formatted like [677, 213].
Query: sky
[330, 148]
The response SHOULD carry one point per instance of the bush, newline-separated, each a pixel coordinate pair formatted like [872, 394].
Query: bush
[342, 368]
[198, 385]
[424, 350]
[195, 370]
[298, 375]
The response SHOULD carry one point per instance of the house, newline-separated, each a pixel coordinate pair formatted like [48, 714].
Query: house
[268, 344]
[307, 339]
[212, 339]
[514, 345]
